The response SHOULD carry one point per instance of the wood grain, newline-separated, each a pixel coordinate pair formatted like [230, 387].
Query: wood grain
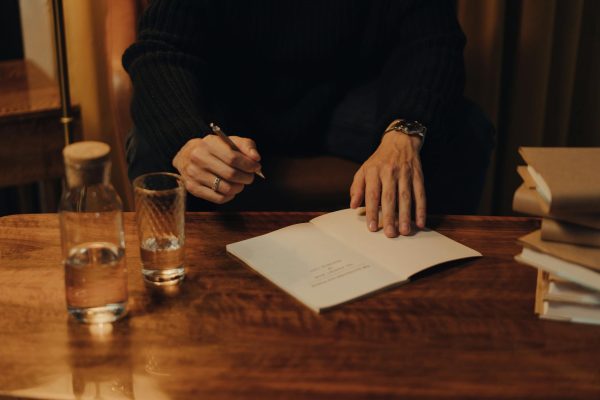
[26, 89]
[465, 330]
[30, 130]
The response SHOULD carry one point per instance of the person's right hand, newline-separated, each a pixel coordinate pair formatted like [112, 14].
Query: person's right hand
[201, 161]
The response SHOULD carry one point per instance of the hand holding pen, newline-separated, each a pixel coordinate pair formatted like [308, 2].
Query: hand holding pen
[217, 131]
[213, 169]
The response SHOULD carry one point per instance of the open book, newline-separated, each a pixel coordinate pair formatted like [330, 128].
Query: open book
[334, 258]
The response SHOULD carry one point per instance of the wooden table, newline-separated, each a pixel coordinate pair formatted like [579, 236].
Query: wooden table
[30, 130]
[462, 331]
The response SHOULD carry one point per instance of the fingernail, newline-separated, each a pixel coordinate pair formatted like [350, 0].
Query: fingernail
[372, 226]
[405, 229]
[390, 230]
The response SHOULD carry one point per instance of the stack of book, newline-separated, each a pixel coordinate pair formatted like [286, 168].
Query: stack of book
[562, 185]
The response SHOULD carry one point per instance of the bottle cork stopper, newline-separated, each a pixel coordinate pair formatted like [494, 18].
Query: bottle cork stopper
[87, 163]
[86, 152]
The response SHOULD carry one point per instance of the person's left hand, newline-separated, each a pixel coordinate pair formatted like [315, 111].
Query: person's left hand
[392, 177]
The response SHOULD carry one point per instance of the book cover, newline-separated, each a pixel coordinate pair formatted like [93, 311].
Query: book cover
[557, 231]
[567, 178]
[588, 257]
[562, 260]
[526, 200]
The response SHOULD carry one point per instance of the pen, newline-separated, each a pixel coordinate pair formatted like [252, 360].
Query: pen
[217, 131]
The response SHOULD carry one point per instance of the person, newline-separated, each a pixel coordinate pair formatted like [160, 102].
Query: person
[377, 82]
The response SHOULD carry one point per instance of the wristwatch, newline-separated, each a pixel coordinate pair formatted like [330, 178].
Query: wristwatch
[411, 128]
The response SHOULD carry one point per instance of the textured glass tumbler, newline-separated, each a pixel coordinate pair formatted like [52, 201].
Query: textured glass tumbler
[160, 215]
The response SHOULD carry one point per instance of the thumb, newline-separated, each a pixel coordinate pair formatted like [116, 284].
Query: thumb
[246, 146]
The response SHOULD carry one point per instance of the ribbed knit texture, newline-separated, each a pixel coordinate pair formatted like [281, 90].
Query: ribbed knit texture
[274, 70]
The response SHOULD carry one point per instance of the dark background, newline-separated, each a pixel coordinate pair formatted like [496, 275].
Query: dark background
[11, 44]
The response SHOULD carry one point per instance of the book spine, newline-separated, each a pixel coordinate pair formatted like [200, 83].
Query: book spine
[540, 291]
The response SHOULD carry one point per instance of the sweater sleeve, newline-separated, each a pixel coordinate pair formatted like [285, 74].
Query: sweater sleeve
[166, 69]
[423, 74]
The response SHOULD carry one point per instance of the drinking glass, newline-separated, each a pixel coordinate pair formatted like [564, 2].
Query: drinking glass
[160, 216]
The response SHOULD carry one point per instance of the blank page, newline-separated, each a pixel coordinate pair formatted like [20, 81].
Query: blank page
[404, 256]
[312, 266]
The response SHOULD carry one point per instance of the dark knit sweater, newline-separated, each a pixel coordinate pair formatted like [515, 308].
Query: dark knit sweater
[275, 70]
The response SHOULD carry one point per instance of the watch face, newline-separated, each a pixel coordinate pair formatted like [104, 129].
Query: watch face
[408, 128]
[413, 127]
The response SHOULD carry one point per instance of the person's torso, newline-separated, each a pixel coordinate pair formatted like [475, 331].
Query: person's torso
[277, 68]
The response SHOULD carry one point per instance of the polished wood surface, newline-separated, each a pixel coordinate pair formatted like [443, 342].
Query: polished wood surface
[30, 131]
[465, 330]
[26, 89]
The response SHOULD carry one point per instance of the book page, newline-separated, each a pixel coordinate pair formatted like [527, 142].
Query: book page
[564, 269]
[584, 256]
[404, 256]
[571, 293]
[312, 266]
[571, 312]
[540, 185]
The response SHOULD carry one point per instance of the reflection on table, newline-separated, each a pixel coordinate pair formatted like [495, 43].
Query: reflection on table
[464, 330]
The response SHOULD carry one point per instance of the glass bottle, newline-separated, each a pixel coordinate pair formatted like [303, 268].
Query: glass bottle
[93, 241]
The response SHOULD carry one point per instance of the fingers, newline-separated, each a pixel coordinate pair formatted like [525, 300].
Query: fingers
[389, 181]
[372, 198]
[227, 172]
[207, 179]
[206, 193]
[392, 177]
[419, 196]
[195, 178]
[247, 146]
[404, 198]
[238, 160]
[357, 190]
[200, 168]
[203, 159]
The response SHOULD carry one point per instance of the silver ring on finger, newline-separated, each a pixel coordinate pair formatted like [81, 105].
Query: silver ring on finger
[216, 183]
